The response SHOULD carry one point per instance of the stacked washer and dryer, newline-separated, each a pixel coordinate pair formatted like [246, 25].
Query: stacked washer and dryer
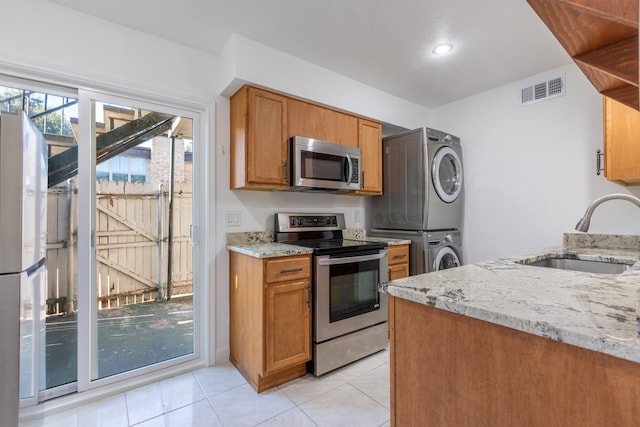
[423, 198]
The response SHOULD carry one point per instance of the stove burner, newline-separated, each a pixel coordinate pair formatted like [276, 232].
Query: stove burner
[321, 232]
[329, 246]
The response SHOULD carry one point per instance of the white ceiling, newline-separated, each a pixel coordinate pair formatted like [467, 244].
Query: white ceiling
[382, 43]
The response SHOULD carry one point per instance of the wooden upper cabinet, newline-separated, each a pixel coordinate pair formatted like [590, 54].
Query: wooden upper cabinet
[602, 38]
[317, 122]
[621, 142]
[262, 122]
[259, 144]
[370, 143]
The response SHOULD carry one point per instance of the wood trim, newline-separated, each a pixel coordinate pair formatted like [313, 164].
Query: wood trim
[246, 315]
[286, 375]
[449, 369]
[392, 359]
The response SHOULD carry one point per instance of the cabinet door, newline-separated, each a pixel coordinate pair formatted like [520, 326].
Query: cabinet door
[317, 122]
[370, 142]
[398, 271]
[267, 145]
[288, 325]
[621, 147]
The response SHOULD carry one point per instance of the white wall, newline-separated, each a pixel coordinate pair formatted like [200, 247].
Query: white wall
[244, 60]
[71, 47]
[530, 170]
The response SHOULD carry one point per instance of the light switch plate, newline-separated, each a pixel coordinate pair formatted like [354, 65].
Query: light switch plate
[232, 219]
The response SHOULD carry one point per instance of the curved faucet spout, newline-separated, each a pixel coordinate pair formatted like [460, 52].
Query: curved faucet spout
[583, 224]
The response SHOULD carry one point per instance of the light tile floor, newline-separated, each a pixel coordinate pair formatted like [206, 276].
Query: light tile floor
[356, 395]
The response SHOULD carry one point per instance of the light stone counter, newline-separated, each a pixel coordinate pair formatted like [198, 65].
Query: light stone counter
[269, 250]
[388, 241]
[593, 311]
[260, 244]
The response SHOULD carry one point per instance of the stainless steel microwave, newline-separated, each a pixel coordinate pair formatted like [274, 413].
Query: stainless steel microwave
[324, 166]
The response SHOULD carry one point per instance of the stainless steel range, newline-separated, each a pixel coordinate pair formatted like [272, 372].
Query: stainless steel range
[349, 314]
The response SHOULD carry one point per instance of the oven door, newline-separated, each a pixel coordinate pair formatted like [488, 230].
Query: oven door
[346, 293]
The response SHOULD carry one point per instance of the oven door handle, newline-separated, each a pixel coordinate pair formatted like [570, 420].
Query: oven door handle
[351, 259]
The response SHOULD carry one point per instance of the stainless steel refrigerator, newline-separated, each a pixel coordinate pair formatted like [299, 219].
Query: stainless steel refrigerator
[422, 195]
[23, 228]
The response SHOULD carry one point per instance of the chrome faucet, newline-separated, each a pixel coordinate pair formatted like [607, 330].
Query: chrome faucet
[583, 224]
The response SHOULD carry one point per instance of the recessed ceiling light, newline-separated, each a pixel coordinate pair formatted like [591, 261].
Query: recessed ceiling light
[443, 49]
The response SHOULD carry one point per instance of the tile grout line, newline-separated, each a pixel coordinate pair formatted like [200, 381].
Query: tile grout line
[206, 396]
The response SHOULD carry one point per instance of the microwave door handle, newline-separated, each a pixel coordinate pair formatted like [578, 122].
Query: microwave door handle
[349, 174]
[351, 259]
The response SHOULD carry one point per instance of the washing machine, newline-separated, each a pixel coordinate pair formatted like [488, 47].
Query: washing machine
[445, 197]
[443, 250]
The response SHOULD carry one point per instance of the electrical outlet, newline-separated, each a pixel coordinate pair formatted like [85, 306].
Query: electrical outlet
[232, 219]
[356, 216]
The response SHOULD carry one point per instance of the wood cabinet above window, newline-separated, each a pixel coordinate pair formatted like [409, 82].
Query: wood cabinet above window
[602, 38]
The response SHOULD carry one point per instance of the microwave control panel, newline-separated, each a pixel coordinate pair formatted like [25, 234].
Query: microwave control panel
[355, 176]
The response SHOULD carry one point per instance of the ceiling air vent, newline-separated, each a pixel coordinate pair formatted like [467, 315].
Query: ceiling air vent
[542, 91]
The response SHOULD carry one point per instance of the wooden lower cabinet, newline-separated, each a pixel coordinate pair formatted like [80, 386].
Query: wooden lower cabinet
[398, 261]
[453, 370]
[270, 317]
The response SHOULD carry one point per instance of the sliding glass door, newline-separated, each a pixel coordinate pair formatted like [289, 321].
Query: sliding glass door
[117, 298]
[138, 261]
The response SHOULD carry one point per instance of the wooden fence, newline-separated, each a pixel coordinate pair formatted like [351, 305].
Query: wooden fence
[132, 244]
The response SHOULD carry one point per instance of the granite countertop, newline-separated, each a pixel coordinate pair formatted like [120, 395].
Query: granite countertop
[269, 250]
[589, 310]
[388, 241]
[261, 244]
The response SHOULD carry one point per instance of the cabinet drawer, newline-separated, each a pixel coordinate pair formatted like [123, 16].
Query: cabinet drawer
[398, 254]
[285, 269]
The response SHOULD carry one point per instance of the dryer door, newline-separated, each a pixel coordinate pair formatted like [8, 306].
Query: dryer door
[446, 258]
[446, 173]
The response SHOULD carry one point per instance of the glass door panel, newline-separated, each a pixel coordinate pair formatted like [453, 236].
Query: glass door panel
[143, 282]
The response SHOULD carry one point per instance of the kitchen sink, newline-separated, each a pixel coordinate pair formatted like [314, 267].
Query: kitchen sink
[589, 266]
